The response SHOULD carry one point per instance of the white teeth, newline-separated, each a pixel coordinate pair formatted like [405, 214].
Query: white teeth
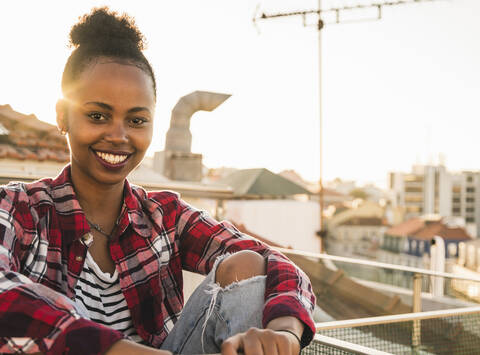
[112, 158]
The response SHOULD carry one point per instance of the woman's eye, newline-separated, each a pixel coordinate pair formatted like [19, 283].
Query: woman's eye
[97, 116]
[138, 121]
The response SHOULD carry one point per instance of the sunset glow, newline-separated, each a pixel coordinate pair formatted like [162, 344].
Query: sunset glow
[396, 91]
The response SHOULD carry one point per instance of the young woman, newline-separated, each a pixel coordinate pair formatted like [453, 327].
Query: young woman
[90, 264]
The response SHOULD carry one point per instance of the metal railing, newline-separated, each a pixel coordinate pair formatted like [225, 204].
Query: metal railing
[396, 318]
[413, 270]
[453, 331]
[417, 273]
[323, 344]
[414, 319]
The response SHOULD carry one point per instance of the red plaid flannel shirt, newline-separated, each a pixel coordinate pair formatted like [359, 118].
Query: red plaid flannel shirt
[42, 254]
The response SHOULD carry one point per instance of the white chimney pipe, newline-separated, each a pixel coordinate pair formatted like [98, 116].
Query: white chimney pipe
[179, 137]
[437, 263]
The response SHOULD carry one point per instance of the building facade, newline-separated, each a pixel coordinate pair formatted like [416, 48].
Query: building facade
[466, 199]
[429, 189]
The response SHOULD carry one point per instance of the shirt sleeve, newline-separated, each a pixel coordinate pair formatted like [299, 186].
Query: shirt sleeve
[33, 317]
[288, 289]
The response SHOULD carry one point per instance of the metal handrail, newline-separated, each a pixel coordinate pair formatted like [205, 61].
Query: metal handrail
[378, 264]
[346, 346]
[396, 318]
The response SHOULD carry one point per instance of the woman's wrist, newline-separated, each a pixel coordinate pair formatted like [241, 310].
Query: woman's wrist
[288, 324]
[291, 332]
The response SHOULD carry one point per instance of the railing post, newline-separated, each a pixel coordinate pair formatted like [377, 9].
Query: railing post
[417, 307]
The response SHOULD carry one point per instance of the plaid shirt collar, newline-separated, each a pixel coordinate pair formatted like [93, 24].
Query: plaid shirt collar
[131, 215]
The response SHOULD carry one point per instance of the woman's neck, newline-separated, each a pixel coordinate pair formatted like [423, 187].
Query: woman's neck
[101, 203]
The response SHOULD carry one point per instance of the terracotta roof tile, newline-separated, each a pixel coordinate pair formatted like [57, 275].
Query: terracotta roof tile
[419, 228]
[365, 221]
[406, 228]
[440, 229]
[29, 138]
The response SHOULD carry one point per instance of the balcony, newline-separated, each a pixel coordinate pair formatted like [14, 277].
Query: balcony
[414, 323]
[453, 331]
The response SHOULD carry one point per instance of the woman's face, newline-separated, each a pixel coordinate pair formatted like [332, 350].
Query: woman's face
[108, 116]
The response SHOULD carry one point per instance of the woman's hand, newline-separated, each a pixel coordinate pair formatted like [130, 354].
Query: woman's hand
[271, 341]
[261, 342]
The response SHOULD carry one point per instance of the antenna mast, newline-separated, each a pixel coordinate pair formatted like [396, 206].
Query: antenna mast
[327, 16]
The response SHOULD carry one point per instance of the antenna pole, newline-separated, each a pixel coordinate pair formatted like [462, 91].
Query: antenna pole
[321, 232]
[337, 12]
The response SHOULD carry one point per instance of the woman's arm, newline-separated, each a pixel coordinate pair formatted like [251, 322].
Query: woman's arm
[34, 318]
[288, 289]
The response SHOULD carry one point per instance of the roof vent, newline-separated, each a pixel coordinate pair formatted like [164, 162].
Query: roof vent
[177, 161]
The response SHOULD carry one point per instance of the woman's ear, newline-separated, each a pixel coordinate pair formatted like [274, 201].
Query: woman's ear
[61, 108]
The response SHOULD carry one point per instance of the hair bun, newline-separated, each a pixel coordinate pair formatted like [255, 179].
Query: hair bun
[103, 27]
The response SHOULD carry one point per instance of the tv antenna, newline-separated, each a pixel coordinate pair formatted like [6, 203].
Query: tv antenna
[327, 16]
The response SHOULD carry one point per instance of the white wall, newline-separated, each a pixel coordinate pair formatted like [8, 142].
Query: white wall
[287, 222]
[30, 168]
[445, 192]
[429, 190]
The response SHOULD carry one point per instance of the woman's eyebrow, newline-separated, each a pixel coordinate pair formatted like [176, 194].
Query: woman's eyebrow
[110, 108]
[138, 109]
[101, 104]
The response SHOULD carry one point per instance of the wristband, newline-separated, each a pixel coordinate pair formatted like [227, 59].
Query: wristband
[295, 335]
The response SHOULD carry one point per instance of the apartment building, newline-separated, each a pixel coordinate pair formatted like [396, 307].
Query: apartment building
[431, 189]
[466, 199]
[426, 189]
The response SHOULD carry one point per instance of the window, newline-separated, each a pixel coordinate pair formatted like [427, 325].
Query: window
[470, 220]
[413, 178]
[456, 200]
[469, 178]
[470, 209]
[413, 189]
[414, 246]
[452, 250]
[392, 180]
[470, 189]
[470, 199]
[456, 211]
[421, 246]
[414, 209]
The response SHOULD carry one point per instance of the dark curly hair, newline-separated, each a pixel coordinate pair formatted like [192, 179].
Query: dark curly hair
[104, 33]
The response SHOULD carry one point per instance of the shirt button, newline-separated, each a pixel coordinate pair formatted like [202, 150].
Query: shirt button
[78, 258]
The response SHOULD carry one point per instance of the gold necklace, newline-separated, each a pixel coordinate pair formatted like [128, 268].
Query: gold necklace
[99, 229]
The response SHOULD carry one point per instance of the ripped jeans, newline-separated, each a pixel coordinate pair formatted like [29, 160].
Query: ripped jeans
[213, 314]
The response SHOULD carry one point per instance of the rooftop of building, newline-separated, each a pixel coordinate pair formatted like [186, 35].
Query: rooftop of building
[255, 183]
[427, 228]
[25, 137]
[365, 221]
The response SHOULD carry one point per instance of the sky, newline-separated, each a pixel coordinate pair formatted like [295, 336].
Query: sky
[398, 91]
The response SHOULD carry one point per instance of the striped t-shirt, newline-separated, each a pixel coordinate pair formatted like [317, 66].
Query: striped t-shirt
[99, 296]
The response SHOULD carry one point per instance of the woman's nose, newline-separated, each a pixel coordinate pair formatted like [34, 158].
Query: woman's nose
[117, 133]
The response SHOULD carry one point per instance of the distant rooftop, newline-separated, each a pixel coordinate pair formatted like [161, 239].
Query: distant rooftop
[25, 137]
[426, 229]
[261, 183]
[364, 221]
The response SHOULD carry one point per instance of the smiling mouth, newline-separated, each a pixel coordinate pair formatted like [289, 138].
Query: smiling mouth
[112, 159]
